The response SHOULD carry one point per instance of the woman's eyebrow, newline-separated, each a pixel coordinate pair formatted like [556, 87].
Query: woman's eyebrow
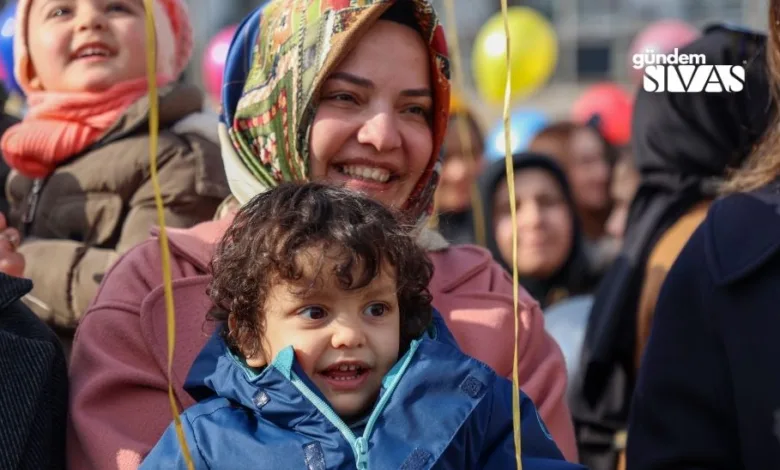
[418, 92]
[353, 79]
[366, 83]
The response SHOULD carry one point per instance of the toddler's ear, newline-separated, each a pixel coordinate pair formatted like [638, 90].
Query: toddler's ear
[31, 77]
[254, 359]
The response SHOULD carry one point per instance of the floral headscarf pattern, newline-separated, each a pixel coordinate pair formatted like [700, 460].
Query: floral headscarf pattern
[279, 58]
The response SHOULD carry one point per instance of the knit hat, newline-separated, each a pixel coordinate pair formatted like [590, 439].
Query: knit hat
[172, 26]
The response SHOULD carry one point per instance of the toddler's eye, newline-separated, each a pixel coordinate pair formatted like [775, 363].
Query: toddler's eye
[313, 313]
[376, 310]
[118, 7]
[61, 11]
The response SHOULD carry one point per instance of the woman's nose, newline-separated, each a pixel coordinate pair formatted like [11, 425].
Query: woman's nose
[381, 132]
[529, 216]
[455, 170]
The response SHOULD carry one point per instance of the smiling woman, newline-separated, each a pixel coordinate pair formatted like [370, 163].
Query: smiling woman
[356, 96]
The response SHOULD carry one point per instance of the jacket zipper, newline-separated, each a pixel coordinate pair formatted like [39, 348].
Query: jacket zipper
[32, 205]
[359, 445]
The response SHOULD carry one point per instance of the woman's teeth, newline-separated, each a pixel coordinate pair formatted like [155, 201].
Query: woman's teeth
[380, 175]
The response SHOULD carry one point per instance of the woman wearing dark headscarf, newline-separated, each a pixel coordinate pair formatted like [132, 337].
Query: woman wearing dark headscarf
[551, 261]
[683, 145]
[586, 157]
[708, 392]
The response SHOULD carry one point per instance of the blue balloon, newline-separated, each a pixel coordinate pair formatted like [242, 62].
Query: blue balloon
[524, 124]
[7, 26]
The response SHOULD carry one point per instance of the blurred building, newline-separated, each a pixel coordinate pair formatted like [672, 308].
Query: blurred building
[594, 36]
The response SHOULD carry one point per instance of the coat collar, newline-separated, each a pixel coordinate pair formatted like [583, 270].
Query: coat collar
[743, 233]
[12, 289]
[451, 391]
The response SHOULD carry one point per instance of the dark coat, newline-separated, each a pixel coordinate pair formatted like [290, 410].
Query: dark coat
[708, 392]
[33, 385]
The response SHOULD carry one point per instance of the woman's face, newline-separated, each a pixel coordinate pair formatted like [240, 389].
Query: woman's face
[372, 130]
[462, 165]
[625, 182]
[544, 223]
[588, 171]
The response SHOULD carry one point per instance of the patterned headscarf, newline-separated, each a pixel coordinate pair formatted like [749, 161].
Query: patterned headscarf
[278, 60]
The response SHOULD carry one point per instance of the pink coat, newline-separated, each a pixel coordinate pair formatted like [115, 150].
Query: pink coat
[119, 390]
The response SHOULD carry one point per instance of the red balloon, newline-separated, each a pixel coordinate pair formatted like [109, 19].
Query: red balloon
[613, 105]
[214, 59]
[661, 37]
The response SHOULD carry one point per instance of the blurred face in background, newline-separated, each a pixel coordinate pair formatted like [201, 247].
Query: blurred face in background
[462, 164]
[588, 170]
[545, 226]
[625, 182]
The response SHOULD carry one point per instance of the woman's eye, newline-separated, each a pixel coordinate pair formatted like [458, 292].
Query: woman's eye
[549, 201]
[376, 310]
[421, 110]
[313, 313]
[342, 97]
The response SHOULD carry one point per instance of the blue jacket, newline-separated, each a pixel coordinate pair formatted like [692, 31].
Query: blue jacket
[437, 409]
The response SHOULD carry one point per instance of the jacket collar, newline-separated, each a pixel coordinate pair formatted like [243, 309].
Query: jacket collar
[451, 392]
[218, 372]
[176, 102]
[756, 242]
[12, 289]
[197, 244]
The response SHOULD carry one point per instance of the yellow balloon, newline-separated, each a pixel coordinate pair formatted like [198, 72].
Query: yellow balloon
[534, 54]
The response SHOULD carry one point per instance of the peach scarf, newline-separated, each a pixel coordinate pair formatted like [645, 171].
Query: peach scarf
[59, 126]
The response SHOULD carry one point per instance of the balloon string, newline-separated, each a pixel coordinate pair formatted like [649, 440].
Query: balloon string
[154, 118]
[510, 181]
[461, 122]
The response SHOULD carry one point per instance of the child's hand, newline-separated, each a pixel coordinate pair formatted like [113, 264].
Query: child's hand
[11, 261]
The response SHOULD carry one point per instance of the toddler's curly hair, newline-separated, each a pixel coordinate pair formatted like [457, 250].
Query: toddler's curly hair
[262, 245]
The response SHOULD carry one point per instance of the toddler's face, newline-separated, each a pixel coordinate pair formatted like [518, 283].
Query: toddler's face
[86, 45]
[345, 341]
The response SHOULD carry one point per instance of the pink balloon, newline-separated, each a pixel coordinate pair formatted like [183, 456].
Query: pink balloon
[661, 37]
[214, 59]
